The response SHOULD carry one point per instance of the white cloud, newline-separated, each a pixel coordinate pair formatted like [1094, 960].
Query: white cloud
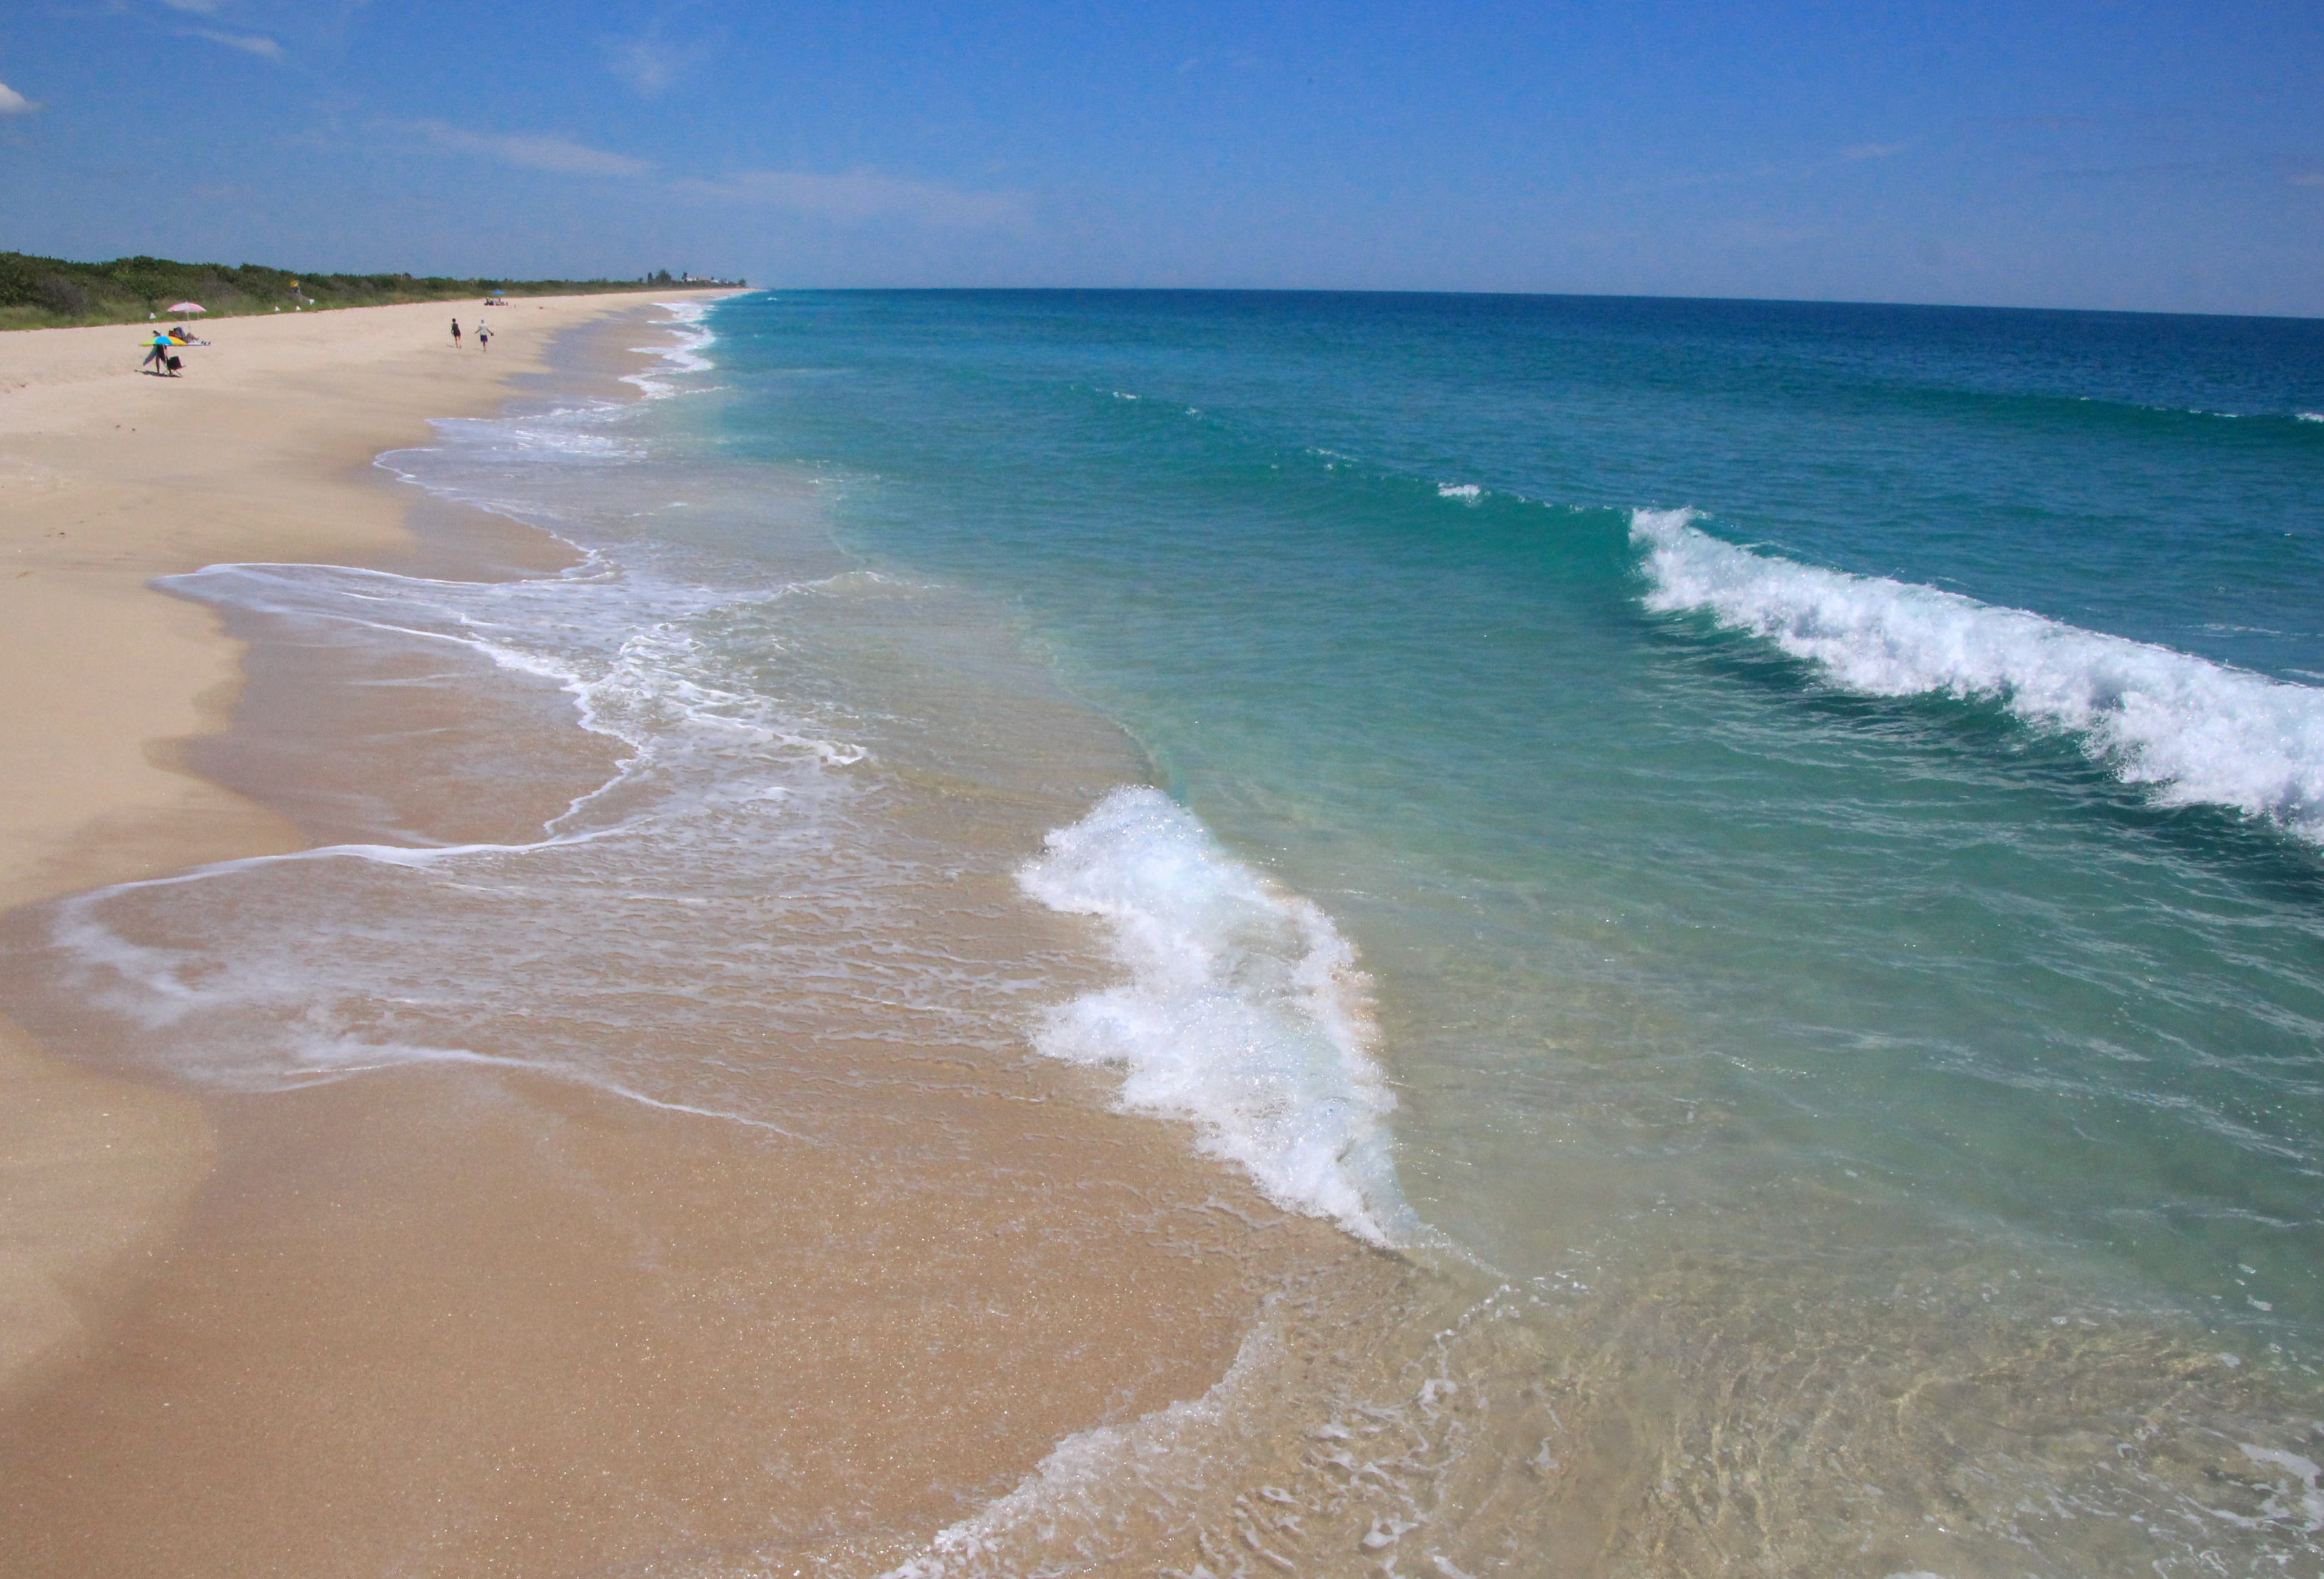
[649, 66]
[558, 155]
[864, 194]
[645, 67]
[204, 6]
[249, 44]
[13, 103]
[1874, 150]
[2307, 178]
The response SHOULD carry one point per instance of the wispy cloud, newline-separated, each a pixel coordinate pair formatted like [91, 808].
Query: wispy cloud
[1797, 171]
[13, 103]
[2239, 169]
[866, 195]
[646, 65]
[651, 67]
[249, 44]
[558, 155]
[201, 7]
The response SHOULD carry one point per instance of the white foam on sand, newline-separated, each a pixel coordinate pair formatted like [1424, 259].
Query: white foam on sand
[684, 356]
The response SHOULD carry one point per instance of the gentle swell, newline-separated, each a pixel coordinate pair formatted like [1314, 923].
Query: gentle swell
[2197, 732]
[1244, 1012]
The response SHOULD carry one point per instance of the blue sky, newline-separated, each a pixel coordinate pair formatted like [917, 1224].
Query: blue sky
[2067, 154]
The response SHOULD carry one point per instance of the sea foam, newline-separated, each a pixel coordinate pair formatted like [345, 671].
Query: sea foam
[685, 323]
[1245, 1011]
[2194, 731]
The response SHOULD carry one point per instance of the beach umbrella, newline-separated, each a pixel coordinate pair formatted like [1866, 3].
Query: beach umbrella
[188, 307]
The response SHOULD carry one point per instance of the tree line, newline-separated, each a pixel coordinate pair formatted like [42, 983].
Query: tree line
[37, 293]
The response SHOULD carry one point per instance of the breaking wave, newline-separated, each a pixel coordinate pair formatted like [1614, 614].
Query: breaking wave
[1244, 1013]
[2194, 732]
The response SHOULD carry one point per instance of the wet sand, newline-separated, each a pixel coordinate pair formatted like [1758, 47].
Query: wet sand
[109, 477]
[475, 1321]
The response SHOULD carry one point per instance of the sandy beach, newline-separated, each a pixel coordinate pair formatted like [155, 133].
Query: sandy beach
[261, 449]
[445, 1320]
[722, 1059]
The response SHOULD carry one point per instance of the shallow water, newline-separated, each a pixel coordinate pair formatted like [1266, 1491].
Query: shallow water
[1774, 849]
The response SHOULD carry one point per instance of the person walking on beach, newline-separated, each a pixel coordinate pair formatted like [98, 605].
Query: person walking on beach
[157, 355]
[456, 333]
[484, 336]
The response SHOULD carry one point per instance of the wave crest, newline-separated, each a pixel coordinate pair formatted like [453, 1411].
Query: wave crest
[1244, 1013]
[2198, 732]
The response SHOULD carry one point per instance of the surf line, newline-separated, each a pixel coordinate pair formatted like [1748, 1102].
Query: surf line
[2191, 731]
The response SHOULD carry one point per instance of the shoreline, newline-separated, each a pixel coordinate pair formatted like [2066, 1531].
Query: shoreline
[797, 1347]
[111, 478]
[683, 1198]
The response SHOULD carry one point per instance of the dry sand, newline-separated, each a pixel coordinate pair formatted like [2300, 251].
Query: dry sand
[450, 1321]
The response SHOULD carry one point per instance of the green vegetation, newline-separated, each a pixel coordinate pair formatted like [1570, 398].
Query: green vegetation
[40, 293]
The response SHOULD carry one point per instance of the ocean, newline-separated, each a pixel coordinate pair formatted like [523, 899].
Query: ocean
[1762, 863]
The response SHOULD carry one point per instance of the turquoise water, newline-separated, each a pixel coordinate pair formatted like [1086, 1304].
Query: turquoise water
[1773, 854]
[1657, 909]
